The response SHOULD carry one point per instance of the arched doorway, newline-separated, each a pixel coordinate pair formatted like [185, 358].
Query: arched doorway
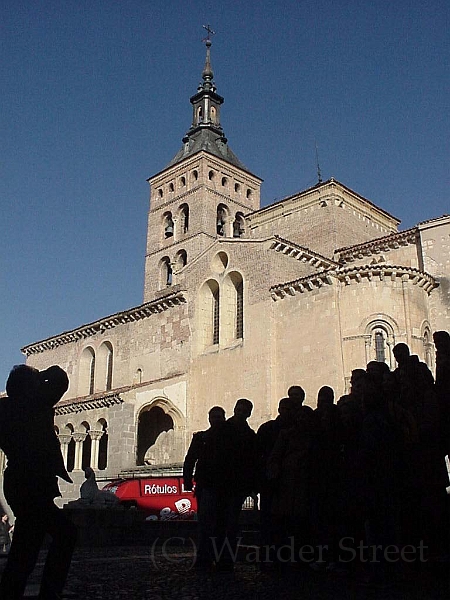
[152, 421]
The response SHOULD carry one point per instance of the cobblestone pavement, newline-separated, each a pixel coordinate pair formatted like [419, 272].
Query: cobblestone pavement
[165, 573]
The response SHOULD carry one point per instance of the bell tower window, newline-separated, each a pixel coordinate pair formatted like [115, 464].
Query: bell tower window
[221, 220]
[168, 226]
[184, 218]
[238, 226]
[166, 272]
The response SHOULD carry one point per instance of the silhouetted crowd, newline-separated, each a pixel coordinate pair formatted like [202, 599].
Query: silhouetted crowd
[360, 481]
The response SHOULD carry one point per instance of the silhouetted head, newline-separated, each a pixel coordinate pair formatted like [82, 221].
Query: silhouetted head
[325, 397]
[357, 382]
[286, 409]
[216, 416]
[376, 370]
[401, 353]
[243, 409]
[297, 393]
[89, 472]
[441, 340]
[23, 382]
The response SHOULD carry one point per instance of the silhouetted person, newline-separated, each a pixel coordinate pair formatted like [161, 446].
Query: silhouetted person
[380, 474]
[401, 353]
[325, 483]
[211, 462]
[28, 438]
[289, 465]
[442, 343]
[245, 467]
[266, 437]
[349, 499]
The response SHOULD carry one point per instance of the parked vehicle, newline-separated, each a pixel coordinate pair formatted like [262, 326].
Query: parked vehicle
[161, 498]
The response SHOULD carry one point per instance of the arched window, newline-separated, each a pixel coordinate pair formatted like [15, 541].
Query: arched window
[381, 343]
[380, 347]
[86, 381]
[184, 218]
[168, 225]
[232, 326]
[221, 220]
[427, 349]
[199, 114]
[92, 374]
[182, 181]
[138, 378]
[166, 272]
[224, 181]
[239, 310]
[238, 225]
[181, 259]
[216, 317]
[104, 366]
[211, 175]
[209, 315]
[195, 174]
[109, 368]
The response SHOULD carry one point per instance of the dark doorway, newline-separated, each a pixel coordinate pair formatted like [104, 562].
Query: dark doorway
[151, 423]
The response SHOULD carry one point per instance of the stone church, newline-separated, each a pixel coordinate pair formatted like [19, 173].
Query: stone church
[241, 301]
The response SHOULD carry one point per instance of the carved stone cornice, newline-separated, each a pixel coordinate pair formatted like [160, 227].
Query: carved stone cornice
[133, 314]
[302, 254]
[302, 285]
[77, 405]
[383, 244]
[357, 274]
[383, 272]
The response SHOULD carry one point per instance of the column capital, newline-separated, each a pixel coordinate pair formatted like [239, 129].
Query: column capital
[78, 436]
[64, 438]
[95, 434]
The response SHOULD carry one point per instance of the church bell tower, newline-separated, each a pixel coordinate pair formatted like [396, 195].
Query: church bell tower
[203, 193]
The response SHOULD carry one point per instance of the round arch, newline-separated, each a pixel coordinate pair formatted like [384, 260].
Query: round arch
[154, 419]
[380, 332]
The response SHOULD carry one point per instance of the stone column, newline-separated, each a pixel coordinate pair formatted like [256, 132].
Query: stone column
[95, 437]
[405, 290]
[64, 440]
[78, 439]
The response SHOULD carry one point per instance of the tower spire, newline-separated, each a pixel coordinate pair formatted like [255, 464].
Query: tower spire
[205, 132]
[207, 73]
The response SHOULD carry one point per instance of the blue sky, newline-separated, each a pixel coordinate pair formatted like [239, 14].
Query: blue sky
[95, 99]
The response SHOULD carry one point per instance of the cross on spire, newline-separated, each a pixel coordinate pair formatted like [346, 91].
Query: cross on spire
[210, 33]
